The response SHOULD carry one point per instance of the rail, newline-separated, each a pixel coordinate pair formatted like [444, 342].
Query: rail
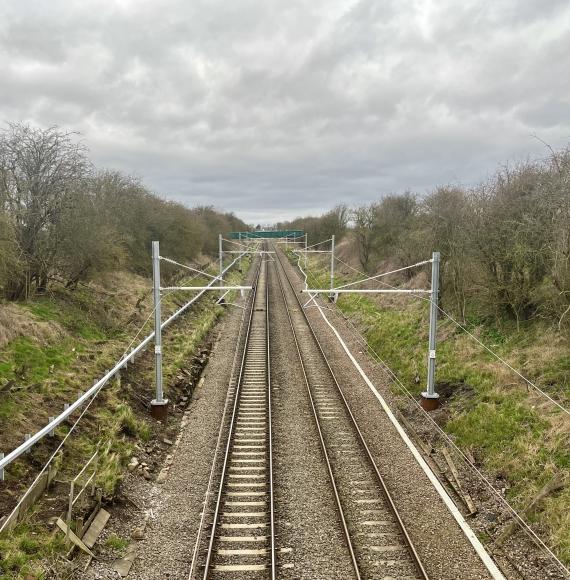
[383, 486]
[246, 405]
[242, 336]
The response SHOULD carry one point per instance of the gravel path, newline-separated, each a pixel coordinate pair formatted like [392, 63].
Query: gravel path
[444, 549]
[306, 510]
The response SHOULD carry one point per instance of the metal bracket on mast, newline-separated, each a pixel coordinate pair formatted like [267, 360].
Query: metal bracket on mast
[159, 405]
[430, 398]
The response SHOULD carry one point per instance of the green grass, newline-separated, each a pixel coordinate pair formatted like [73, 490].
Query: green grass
[8, 407]
[130, 425]
[76, 311]
[494, 426]
[25, 359]
[24, 551]
[116, 543]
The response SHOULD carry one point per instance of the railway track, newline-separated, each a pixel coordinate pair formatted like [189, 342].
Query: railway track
[376, 538]
[239, 537]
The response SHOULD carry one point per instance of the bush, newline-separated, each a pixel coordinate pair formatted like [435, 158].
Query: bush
[61, 220]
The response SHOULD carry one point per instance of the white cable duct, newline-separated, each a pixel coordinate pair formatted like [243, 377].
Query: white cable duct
[28, 444]
[471, 536]
[525, 527]
[304, 274]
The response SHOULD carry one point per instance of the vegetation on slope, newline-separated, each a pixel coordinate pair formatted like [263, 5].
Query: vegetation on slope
[89, 328]
[505, 244]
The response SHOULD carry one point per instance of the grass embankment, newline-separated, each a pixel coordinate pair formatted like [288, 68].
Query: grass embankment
[66, 341]
[513, 432]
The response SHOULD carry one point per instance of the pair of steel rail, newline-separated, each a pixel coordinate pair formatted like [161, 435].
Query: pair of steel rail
[244, 498]
[333, 389]
[320, 414]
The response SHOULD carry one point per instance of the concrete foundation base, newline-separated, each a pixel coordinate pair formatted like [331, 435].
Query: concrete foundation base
[159, 410]
[429, 403]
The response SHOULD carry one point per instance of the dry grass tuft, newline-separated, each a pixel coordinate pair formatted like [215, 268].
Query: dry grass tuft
[16, 322]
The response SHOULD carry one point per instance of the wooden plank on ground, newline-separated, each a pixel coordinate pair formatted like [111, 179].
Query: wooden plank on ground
[35, 492]
[63, 527]
[89, 520]
[123, 565]
[96, 528]
[464, 495]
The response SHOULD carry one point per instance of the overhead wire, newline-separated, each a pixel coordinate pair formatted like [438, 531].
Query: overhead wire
[174, 262]
[375, 277]
[318, 244]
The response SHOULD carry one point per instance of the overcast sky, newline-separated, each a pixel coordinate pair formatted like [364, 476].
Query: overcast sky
[278, 108]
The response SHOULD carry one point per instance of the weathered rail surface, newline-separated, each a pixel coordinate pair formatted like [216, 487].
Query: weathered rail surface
[376, 538]
[241, 531]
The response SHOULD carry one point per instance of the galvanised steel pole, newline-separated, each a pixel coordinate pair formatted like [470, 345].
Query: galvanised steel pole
[221, 257]
[306, 243]
[159, 404]
[331, 295]
[430, 397]
[239, 243]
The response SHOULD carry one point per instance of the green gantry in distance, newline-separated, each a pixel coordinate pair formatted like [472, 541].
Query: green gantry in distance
[266, 234]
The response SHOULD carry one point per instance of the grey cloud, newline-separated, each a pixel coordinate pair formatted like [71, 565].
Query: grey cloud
[273, 109]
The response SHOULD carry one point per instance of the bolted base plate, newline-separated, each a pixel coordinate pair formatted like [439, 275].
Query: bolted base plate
[429, 403]
[159, 410]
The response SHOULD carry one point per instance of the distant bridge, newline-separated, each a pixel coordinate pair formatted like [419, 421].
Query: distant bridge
[266, 234]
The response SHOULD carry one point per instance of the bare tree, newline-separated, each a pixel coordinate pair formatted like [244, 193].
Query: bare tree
[364, 218]
[39, 171]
